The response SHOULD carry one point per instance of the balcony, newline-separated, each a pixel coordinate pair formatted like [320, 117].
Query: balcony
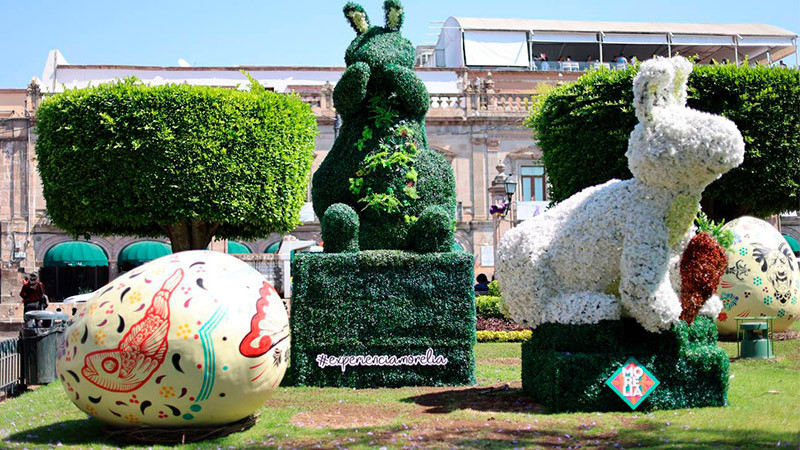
[475, 101]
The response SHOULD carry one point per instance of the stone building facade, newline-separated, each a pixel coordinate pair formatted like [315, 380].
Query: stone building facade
[475, 120]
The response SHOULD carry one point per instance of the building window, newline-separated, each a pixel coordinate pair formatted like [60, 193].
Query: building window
[534, 184]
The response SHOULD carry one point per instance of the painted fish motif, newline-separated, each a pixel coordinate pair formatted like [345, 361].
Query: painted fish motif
[140, 352]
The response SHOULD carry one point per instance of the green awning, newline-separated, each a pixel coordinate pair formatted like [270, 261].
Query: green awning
[237, 247]
[792, 243]
[457, 247]
[75, 254]
[273, 248]
[143, 251]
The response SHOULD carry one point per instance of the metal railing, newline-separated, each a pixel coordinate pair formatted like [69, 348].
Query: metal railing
[469, 103]
[577, 66]
[10, 367]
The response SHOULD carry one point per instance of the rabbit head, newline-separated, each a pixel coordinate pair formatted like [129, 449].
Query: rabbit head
[378, 46]
[673, 146]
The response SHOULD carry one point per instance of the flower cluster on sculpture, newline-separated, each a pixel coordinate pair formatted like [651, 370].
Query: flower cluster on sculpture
[613, 250]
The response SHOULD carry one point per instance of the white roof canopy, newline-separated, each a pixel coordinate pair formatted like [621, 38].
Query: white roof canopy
[488, 42]
[469, 23]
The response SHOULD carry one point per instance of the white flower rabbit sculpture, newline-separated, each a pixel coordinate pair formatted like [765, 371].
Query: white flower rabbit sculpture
[613, 250]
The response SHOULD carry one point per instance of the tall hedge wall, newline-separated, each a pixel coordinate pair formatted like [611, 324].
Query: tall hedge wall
[382, 302]
[583, 130]
[126, 158]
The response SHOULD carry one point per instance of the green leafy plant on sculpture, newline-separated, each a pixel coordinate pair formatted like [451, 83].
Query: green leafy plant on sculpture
[706, 225]
[380, 164]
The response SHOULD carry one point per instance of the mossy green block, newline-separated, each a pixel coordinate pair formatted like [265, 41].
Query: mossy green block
[383, 302]
[565, 367]
[626, 334]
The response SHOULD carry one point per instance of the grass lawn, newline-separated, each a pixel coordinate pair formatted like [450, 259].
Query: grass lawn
[764, 411]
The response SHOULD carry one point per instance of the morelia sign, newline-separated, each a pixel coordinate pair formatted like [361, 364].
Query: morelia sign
[633, 383]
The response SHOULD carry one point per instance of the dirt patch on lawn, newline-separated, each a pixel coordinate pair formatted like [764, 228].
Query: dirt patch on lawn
[438, 433]
[473, 433]
[431, 401]
[347, 415]
[787, 335]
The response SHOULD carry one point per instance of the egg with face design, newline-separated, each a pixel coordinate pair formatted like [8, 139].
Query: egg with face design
[762, 278]
[194, 338]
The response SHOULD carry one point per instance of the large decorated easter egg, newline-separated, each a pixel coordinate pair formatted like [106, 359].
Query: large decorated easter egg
[193, 338]
[762, 278]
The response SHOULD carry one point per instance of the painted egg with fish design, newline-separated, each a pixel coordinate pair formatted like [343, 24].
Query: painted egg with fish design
[762, 278]
[192, 338]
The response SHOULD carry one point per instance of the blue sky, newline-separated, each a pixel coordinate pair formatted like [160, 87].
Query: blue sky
[299, 32]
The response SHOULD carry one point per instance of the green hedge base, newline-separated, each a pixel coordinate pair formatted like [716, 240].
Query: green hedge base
[382, 302]
[563, 370]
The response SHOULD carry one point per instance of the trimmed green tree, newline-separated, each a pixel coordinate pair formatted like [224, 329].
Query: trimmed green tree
[186, 162]
[583, 129]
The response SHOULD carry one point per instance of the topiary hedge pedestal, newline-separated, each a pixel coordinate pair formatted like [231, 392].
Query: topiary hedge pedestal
[565, 367]
[382, 303]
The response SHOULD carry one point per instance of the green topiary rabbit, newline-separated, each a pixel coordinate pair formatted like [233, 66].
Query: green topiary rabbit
[380, 165]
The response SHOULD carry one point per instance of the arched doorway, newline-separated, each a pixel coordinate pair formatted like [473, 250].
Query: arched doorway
[237, 248]
[794, 244]
[74, 267]
[138, 253]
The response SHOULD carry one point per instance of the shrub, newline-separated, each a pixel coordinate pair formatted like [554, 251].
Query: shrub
[188, 162]
[503, 336]
[340, 229]
[583, 130]
[382, 303]
[489, 307]
[565, 367]
[495, 324]
[433, 232]
[494, 288]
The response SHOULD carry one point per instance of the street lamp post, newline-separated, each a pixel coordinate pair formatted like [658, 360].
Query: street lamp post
[502, 190]
[511, 187]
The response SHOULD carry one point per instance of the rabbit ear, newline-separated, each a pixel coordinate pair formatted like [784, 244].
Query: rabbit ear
[652, 87]
[683, 68]
[357, 16]
[393, 10]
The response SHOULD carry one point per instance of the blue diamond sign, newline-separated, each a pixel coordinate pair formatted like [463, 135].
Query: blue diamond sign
[633, 383]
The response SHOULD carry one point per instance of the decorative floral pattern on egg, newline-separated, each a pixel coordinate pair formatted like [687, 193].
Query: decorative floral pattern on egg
[193, 338]
[762, 278]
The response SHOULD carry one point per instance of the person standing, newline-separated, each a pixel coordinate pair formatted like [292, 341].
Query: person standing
[32, 294]
[483, 284]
